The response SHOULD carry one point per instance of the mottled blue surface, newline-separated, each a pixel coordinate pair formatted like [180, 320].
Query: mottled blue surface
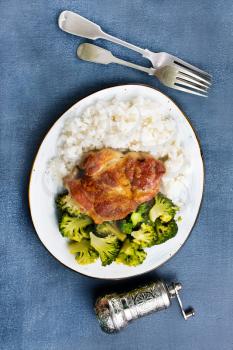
[44, 306]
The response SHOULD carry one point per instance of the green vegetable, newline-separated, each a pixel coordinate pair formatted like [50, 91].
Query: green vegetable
[110, 228]
[145, 236]
[122, 241]
[85, 253]
[126, 226]
[73, 227]
[142, 213]
[163, 208]
[131, 254]
[136, 218]
[108, 247]
[179, 219]
[165, 231]
[65, 203]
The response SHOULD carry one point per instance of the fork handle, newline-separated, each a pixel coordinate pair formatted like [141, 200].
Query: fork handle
[115, 40]
[117, 60]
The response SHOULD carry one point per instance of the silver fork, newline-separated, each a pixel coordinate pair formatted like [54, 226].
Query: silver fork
[185, 77]
[170, 75]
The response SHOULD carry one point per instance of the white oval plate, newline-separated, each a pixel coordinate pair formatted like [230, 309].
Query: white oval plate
[41, 200]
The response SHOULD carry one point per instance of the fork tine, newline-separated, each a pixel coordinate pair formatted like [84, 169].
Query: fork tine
[194, 85]
[177, 87]
[190, 66]
[193, 79]
[193, 68]
[194, 75]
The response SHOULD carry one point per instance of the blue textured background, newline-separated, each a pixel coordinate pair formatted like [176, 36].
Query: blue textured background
[44, 305]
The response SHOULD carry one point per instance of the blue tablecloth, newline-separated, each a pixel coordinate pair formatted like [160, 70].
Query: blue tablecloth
[43, 305]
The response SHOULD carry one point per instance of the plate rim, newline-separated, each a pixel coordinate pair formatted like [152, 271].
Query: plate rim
[202, 192]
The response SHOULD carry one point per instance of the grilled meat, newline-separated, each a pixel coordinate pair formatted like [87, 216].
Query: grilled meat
[111, 184]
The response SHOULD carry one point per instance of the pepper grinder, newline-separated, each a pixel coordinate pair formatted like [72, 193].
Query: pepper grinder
[114, 311]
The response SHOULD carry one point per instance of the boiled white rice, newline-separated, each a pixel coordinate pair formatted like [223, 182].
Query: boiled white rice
[138, 124]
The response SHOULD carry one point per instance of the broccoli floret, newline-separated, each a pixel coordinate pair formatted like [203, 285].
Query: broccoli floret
[163, 208]
[145, 236]
[110, 228]
[65, 203]
[131, 254]
[74, 227]
[126, 226]
[85, 253]
[144, 208]
[108, 247]
[142, 213]
[165, 230]
[179, 219]
[136, 218]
